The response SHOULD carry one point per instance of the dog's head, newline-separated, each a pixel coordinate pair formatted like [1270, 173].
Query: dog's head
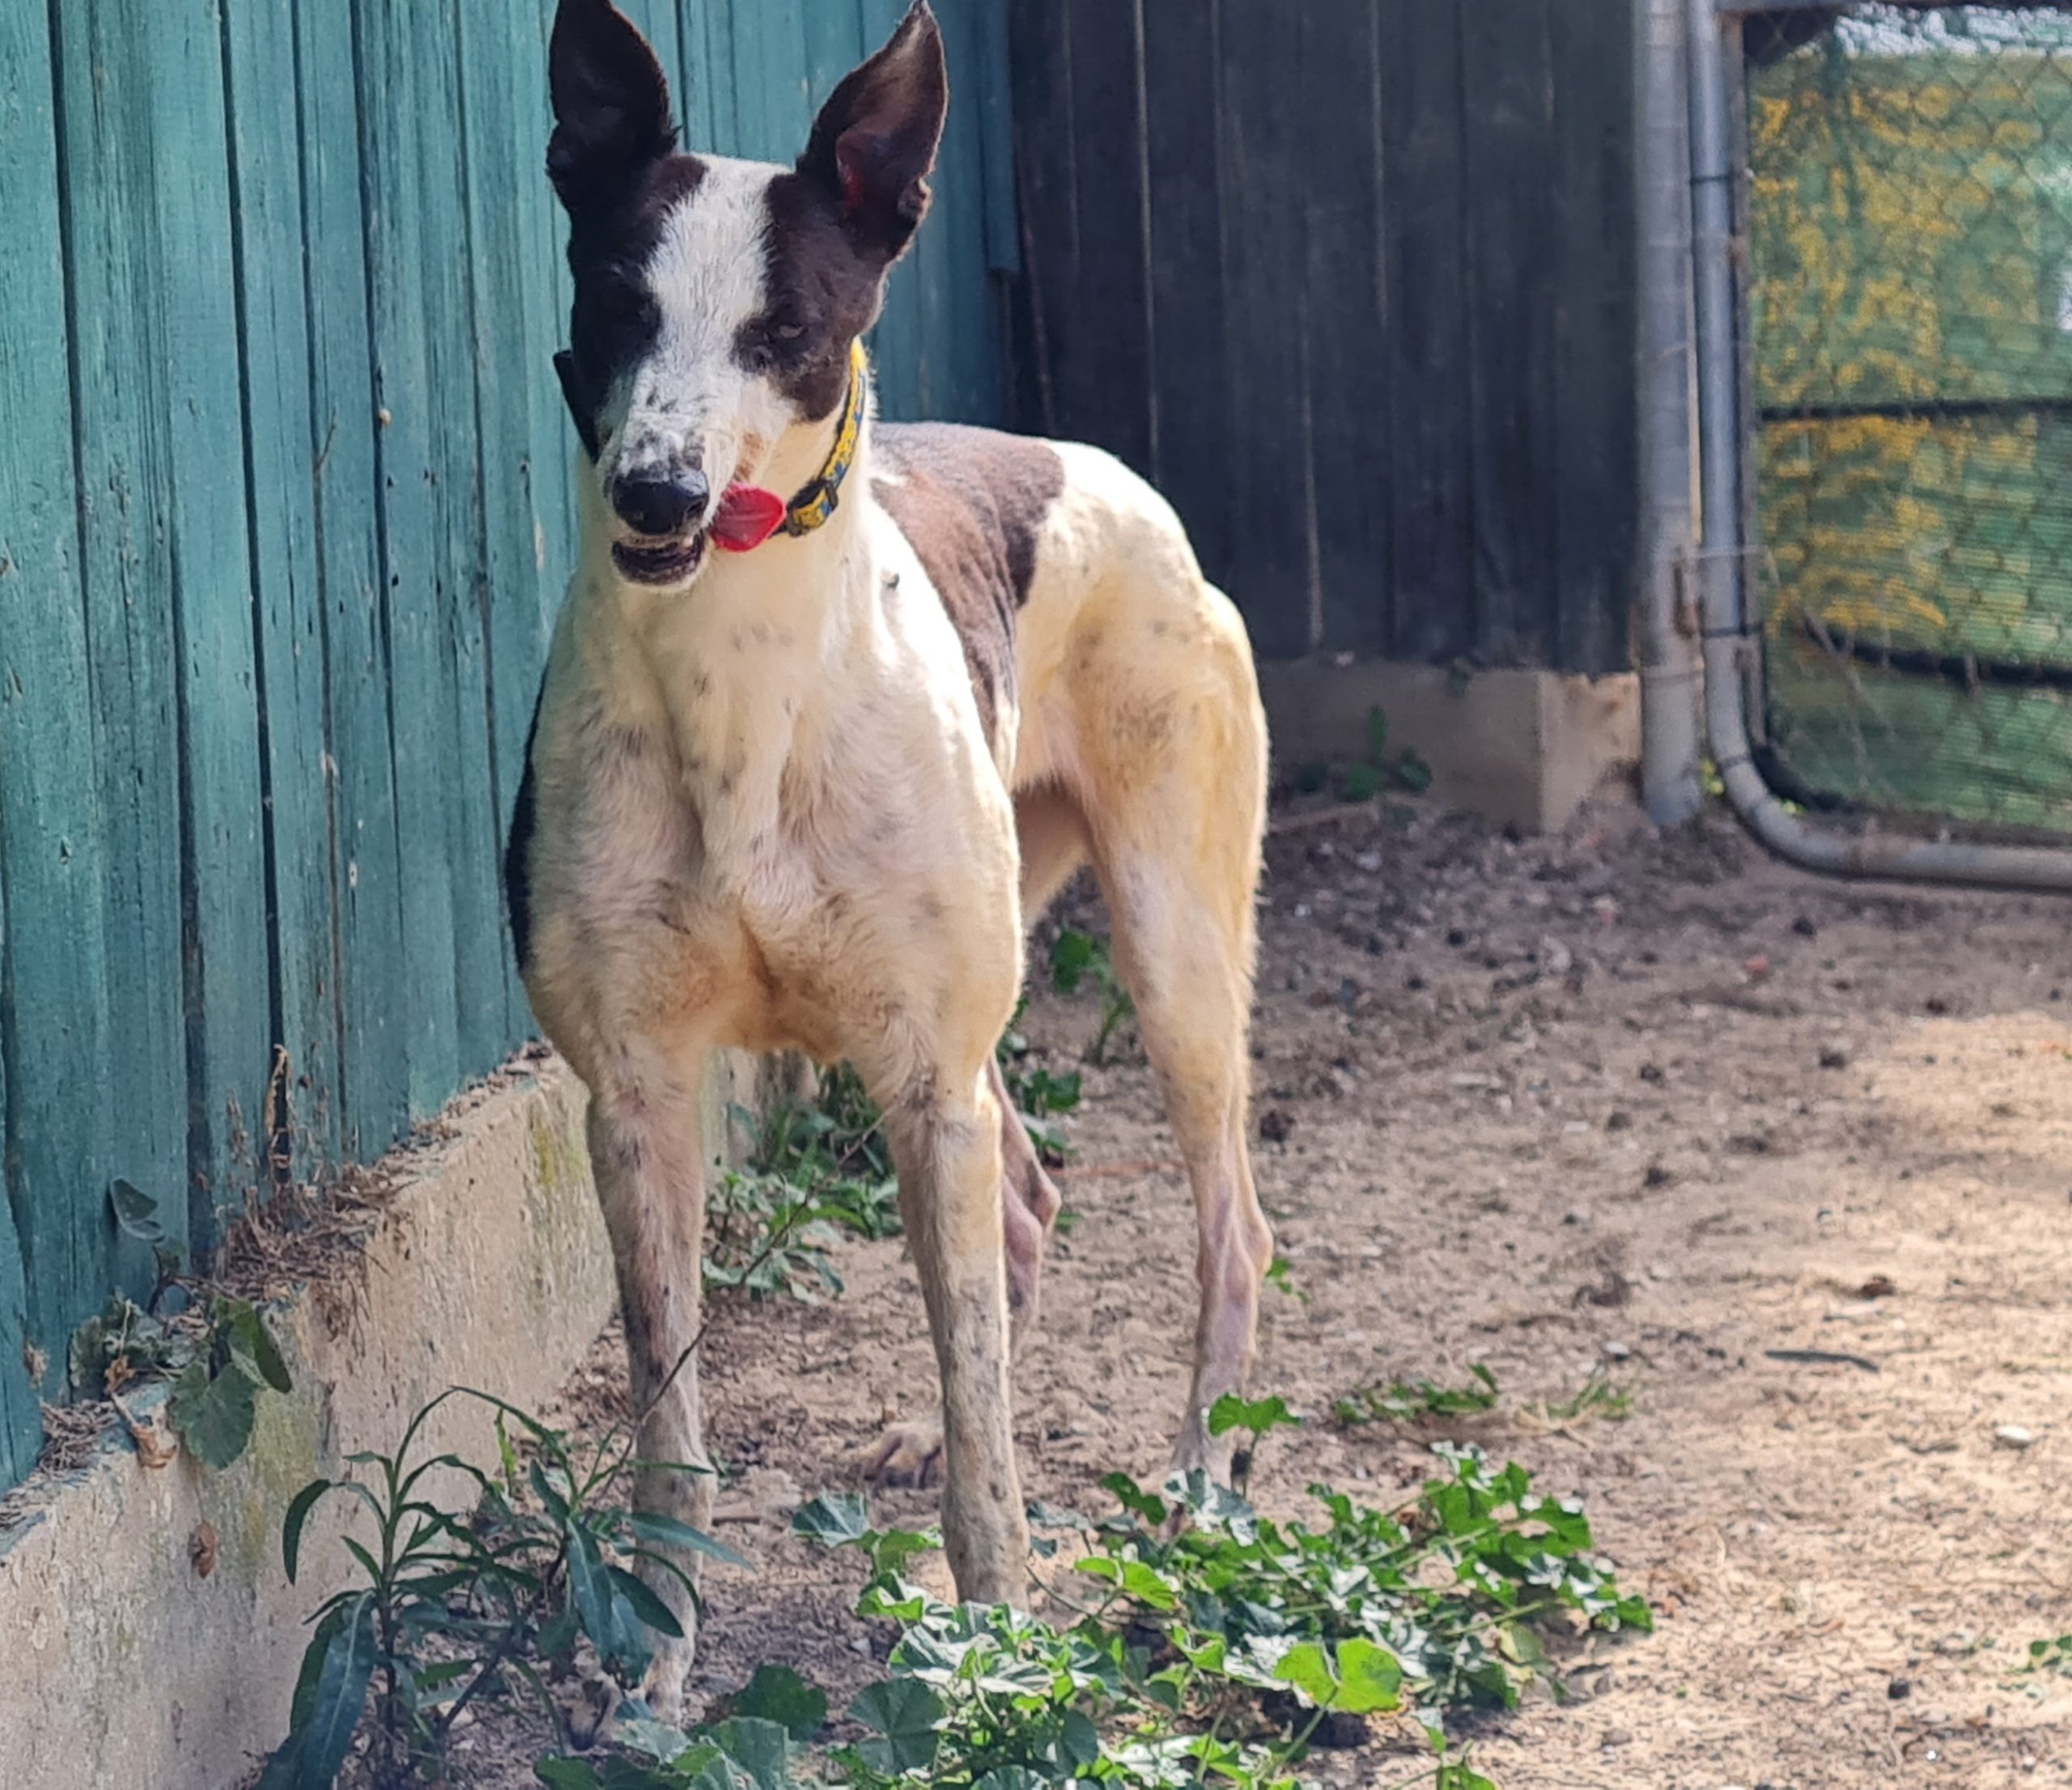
[717, 301]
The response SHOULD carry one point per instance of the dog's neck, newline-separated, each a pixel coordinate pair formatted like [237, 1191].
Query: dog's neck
[746, 663]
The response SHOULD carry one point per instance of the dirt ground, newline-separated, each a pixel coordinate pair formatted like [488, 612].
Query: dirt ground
[1658, 1104]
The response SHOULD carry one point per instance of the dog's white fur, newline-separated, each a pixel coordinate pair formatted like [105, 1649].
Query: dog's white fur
[769, 815]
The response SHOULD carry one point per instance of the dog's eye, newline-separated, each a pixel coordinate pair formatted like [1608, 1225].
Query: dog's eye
[786, 332]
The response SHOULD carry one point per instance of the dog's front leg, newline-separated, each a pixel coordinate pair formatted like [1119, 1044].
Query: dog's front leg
[647, 1154]
[911, 1452]
[946, 1146]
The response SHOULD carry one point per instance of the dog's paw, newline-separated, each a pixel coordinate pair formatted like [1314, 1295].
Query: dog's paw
[663, 1688]
[907, 1454]
[1197, 1450]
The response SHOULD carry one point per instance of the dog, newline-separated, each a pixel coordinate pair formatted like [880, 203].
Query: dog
[833, 710]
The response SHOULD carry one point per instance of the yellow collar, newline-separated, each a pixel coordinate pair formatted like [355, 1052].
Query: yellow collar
[817, 501]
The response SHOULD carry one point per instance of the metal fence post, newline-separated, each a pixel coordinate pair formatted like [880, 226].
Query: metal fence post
[1669, 670]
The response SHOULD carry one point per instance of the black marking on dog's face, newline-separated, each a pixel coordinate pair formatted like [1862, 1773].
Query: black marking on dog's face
[846, 213]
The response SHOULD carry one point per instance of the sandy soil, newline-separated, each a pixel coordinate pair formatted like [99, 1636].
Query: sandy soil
[1547, 1105]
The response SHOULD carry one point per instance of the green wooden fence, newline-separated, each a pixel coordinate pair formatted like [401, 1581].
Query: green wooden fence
[284, 519]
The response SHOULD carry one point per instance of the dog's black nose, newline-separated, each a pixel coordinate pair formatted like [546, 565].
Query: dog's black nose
[652, 502]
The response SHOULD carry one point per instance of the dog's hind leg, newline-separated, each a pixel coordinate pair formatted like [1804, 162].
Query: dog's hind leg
[647, 1155]
[1177, 813]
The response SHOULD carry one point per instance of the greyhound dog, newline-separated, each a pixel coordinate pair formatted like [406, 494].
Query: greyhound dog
[834, 709]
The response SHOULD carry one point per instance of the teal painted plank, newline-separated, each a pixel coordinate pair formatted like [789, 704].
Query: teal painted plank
[513, 296]
[555, 447]
[896, 342]
[770, 38]
[53, 991]
[222, 876]
[925, 272]
[20, 1427]
[106, 65]
[482, 982]
[424, 729]
[970, 391]
[833, 44]
[260, 58]
[716, 125]
[375, 998]
[657, 20]
[993, 76]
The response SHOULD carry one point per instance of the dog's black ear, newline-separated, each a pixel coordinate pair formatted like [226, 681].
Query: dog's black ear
[874, 143]
[611, 104]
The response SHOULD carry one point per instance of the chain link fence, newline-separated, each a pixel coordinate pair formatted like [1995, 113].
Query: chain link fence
[1906, 238]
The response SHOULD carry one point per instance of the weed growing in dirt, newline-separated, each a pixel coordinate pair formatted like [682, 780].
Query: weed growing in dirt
[1600, 1397]
[1406, 1401]
[817, 1171]
[1039, 1096]
[220, 1354]
[1413, 1401]
[451, 1611]
[1211, 1655]
[822, 1168]
[1077, 958]
[2053, 1655]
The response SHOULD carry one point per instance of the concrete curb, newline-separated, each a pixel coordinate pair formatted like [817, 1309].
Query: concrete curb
[1523, 749]
[122, 1666]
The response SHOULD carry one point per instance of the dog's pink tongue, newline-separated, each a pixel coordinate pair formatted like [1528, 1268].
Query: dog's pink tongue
[748, 517]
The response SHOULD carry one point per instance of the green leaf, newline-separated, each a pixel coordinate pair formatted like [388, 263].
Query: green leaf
[1371, 1678]
[657, 1740]
[777, 1693]
[835, 1519]
[1149, 1587]
[1011, 1777]
[549, 1496]
[645, 1605]
[1258, 1416]
[762, 1748]
[667, 1531]
[908, 1714]
[1413, 773]
[1134, 1499]
[213, 1414]
[313, 1656]
[291, 1524]
[248, 1331]
[1361, 783]
[1307, 1669]
[1072, 957]
[1377, 734]
[1458, 1777]
[564, 1775]
[136, 1212]
[557, 1634]
[338, 1695]
[595, 1596]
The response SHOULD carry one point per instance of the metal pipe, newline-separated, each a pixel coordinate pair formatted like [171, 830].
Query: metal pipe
[1729, 643]
[1669, 669]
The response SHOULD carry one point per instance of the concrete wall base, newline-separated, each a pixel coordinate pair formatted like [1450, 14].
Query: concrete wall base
[120, 1663]
[1523, 749]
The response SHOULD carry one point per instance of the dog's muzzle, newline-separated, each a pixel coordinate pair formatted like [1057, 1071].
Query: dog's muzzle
[665, 511]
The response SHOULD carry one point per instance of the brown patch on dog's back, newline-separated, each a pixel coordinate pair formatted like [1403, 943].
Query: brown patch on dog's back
[972, 503]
